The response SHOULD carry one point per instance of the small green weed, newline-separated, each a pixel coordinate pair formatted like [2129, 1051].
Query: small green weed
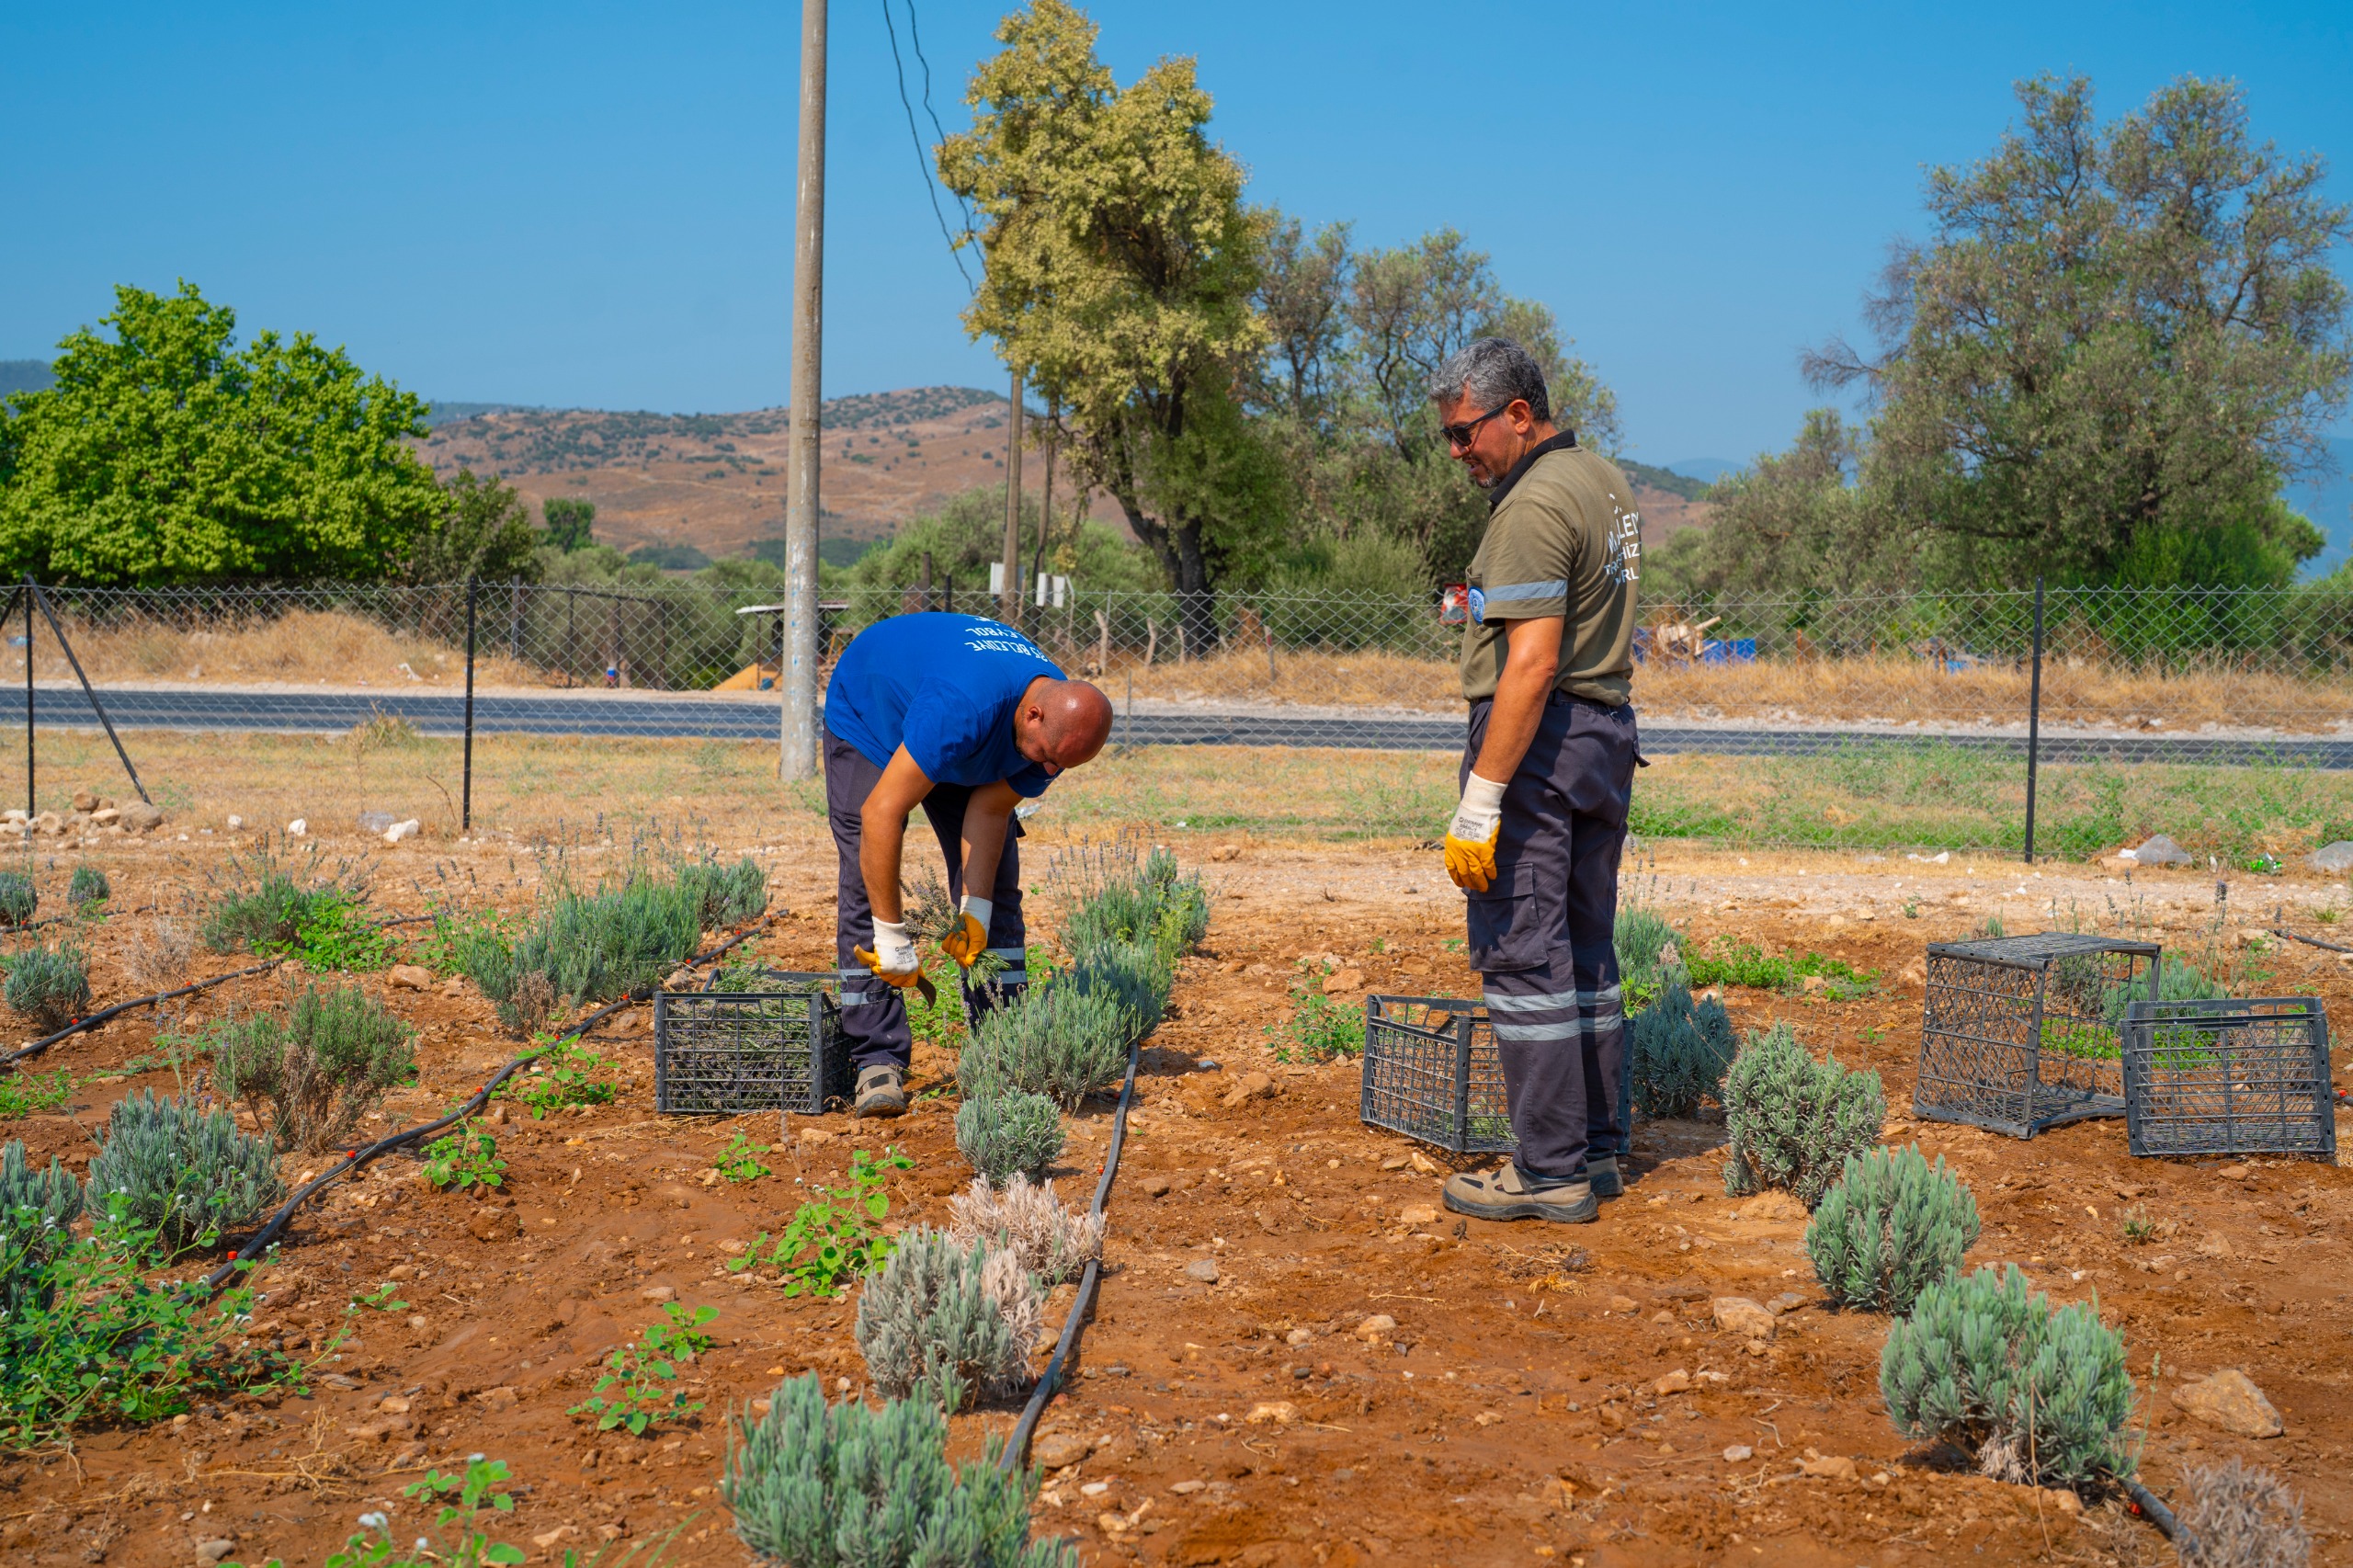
[384, 1297]
[2261, 865]
[263, 901]
[456, 933]
[465, 1158]
[565, 1074]
[1911, 909]
[1320, 1030]
[475, 1492]
[334, 935]
[1731, 962]
[839, 1231]
[2139, 1227]
[637, 1376]
[1454, 944]
[740, 1161]
[24, 1093]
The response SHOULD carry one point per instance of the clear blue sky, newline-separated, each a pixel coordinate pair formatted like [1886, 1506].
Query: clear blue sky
[591, 204]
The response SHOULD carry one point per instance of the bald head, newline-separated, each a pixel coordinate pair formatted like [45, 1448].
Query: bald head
[1062, 723]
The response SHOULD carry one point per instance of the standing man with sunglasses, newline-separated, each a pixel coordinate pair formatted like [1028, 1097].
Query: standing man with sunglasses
[1547, 774]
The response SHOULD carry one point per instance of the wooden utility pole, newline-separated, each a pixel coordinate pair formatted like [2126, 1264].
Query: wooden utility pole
[1009, 605]
[797, 751]
[1046, 485]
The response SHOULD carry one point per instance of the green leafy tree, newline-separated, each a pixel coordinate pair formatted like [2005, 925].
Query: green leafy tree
[1793, 522]
[1120, 266]
[2113, 345]
[571, 524]
[167, 454]
[483, 530]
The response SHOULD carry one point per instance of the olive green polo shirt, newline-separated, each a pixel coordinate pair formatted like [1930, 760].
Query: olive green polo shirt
[1564, 538]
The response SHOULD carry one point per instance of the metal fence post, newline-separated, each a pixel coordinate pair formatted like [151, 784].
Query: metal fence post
[31, 812]
[2034, 719]
[466, 790]
[514, 619]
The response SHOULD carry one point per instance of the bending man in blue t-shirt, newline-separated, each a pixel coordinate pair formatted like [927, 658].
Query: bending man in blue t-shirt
[964, 717]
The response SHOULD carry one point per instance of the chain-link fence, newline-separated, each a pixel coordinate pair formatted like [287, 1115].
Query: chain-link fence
[2174, 674]
[2207, 677]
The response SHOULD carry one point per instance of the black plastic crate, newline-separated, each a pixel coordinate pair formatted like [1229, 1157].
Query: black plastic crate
[2023, 1033]
[1431, 1073]
[718, 1053]
[2228, 1076]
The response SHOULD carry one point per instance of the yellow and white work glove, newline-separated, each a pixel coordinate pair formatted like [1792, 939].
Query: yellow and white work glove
[971, 937]
[1470, 838]
[893, 957]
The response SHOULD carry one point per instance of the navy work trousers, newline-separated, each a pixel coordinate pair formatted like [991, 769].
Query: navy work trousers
[874, 1016]
[1540, 937]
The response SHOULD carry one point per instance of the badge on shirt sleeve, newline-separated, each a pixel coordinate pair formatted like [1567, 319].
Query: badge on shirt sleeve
[1479, 605]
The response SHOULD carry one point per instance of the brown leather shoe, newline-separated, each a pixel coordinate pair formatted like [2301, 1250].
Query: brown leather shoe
[880, 1093]
[1503, 1195]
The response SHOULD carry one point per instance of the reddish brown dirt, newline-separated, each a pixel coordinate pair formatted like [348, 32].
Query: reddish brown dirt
[1509, 1416]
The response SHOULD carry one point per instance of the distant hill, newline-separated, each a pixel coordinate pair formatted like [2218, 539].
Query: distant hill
[1707, 471]
[439, 413]
[24, 375]
[1664, 479]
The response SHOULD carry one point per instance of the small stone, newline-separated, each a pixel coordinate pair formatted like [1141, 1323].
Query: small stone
[1739, 1452]
[1624, 1304]
[401, 830]
[1739, 1316]
[1187, 1488]
[2230, 1400]
[1298, 1337]
[2161, 851]
[1157, 1186]
[1676, 1382]
[212, 1551]
[454, 986]
[138, 816]
[1060, 1450]
[657, 1293]
[1424, 1164]
[1249, 1086]
[1203, 1270]
[487, 1224]
[394, 1405]
[2214, 1244]
[501, 1398]
[1417, 1214]
[1273, 1412]
[299, 828]
[1376, 1326]
[2064, 1499]
[410, 977]
[2336, 856]
[83, 800]
[236, 822]
[1833, 1467]
[1345, 979]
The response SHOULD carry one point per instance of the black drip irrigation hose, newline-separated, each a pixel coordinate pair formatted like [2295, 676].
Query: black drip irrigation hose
[358, 1158]
[2311, 941]
[1017, 1449]
[2145, 1502]
[80, 1025]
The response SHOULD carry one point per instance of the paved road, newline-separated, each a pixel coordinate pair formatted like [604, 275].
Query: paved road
[599, 713]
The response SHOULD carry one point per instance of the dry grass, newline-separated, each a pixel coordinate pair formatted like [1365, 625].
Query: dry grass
[1876, 688]
[303, 647]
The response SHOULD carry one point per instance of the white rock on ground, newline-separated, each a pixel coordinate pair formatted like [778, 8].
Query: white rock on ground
[401, 830]
[298, 827]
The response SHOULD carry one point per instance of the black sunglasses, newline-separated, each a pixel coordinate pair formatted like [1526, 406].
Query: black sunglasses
[1461, 435]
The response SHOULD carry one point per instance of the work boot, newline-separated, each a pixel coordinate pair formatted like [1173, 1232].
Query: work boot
[1601, 1171]
[879, 1092]
[1507, 1195]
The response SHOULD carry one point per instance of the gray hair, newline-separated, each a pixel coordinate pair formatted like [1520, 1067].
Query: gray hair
[1491, 372]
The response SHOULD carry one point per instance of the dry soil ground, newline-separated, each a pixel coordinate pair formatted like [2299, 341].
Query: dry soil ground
[1509, 1415]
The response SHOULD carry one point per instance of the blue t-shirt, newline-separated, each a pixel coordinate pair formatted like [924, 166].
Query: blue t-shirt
[944, 686]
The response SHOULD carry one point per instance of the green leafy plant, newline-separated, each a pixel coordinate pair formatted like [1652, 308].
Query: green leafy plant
[726, 896]
[464, 1157]
[2138, 1227]
[184, 1173]
[1791, 1121]
[1731, 962]
[88, 886]
[1057, 1040]
[449, 946]
[49, 985]
[1893, 1226]
[24, 1093]
[1008, 1133]
[334, 936]
[18, 898]
[88, 1335]
[1986, 1364]
[597, 947]
[263, 900]
[834, 1237]
[835, 1487]
[634, 1391]
[1319, 1029]
[1681, 1049]
[1134, 976]
[740, 1161]
[461, 1500]
[312, 1073]
[38, 1208]
[565, 1072]
[960, 1318]
[1648, 949]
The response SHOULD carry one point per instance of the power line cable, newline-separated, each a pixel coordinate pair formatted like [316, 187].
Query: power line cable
[930, 180]
[916, 39]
